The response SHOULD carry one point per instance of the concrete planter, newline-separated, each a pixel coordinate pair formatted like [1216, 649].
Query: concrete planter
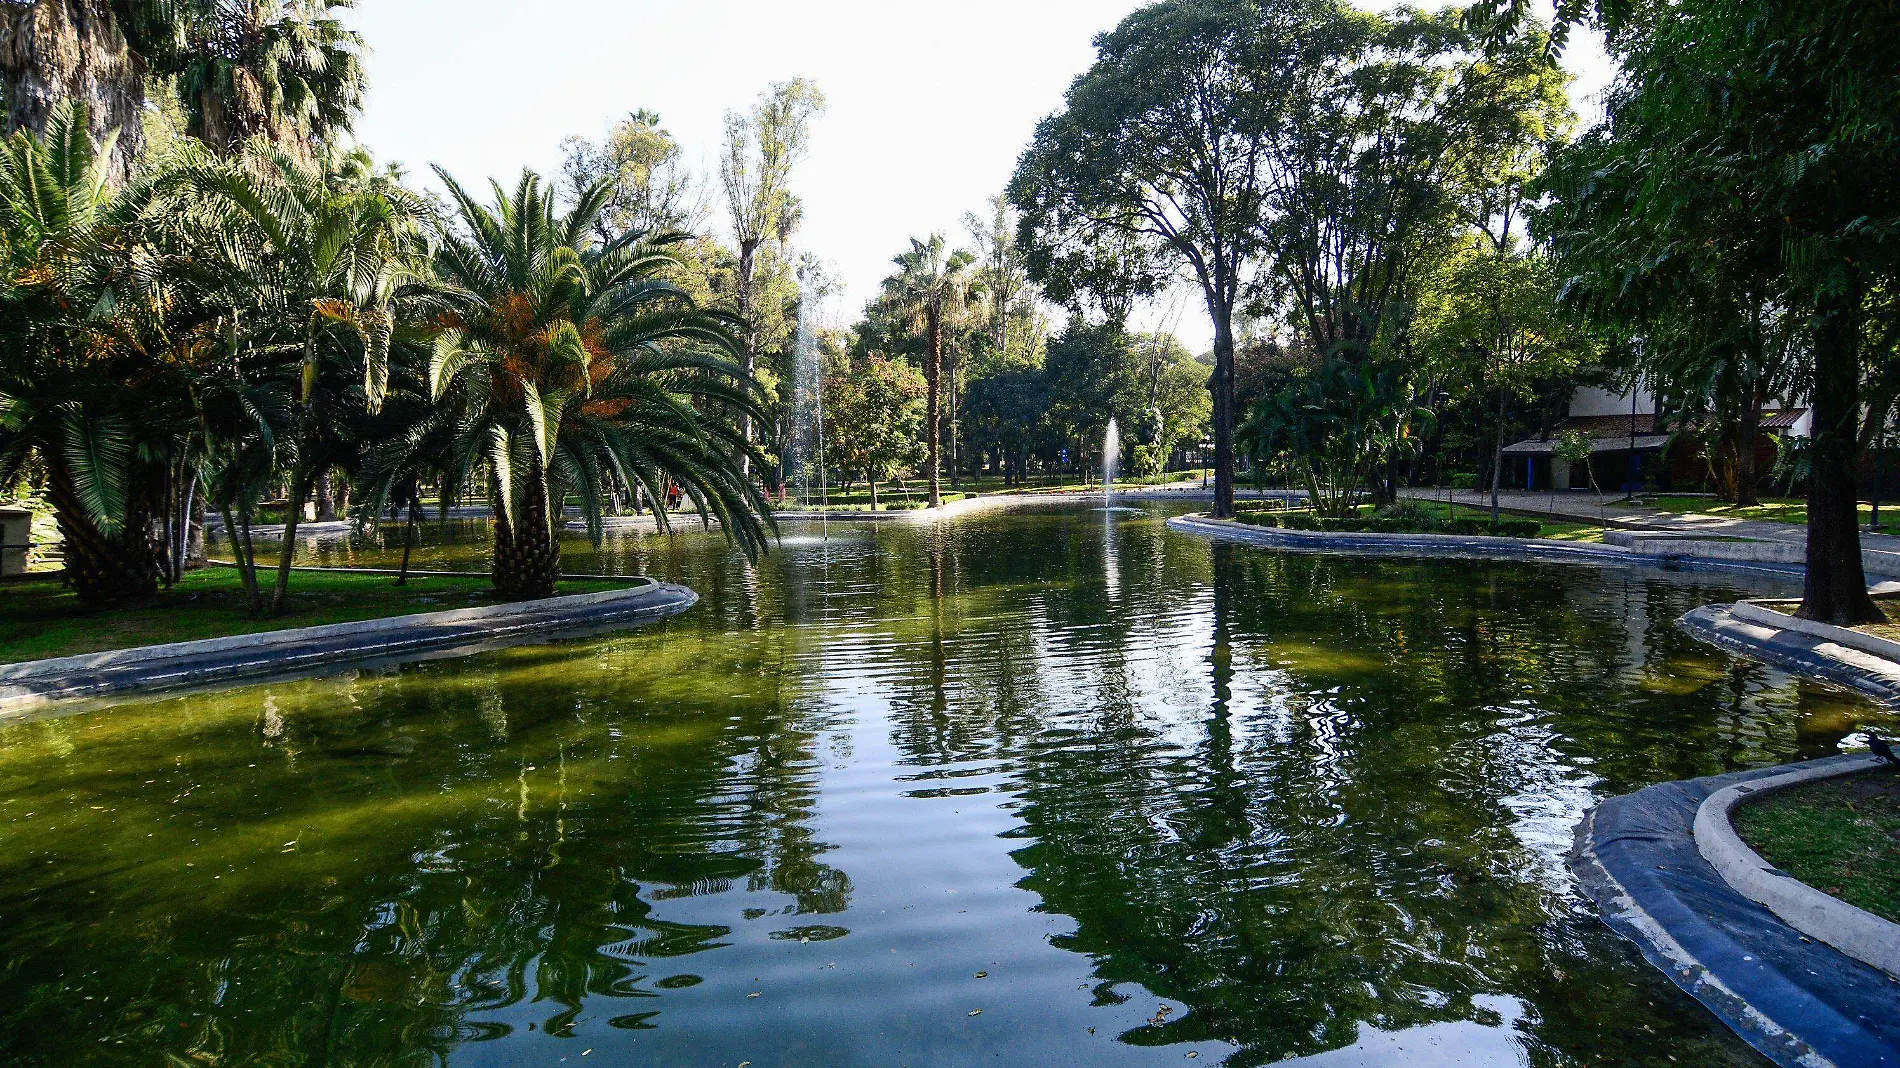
[1854, 931]
[34, 685]
[1751, 612]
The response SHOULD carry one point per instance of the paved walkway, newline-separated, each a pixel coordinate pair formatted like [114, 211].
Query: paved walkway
[1587, 508]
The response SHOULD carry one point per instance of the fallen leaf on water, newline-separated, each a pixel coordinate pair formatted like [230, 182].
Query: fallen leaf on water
[754, 994]
[976, 1012]
[982, 975]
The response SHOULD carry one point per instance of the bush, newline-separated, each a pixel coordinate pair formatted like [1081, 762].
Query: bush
[1464, 480]
[1407, 518]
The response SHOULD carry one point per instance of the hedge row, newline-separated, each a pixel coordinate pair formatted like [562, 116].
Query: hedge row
[1505, 528]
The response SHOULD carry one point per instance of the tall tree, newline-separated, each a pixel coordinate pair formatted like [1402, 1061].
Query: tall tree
[81, 335]
[96, 53]
[1171, 140]
[650, 187]
[1790, 114]
[573, 369]
[933, 289]
[286, 70]
[761, 148]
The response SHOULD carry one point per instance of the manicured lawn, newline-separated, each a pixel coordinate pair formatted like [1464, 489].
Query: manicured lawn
[1773, 509]
[1552, 529]
[40, 618]
[859, 496]
[1841, 837]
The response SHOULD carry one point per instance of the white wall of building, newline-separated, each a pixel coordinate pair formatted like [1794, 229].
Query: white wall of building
[1591, 401]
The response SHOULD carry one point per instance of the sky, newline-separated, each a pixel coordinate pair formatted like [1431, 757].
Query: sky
[929, 104]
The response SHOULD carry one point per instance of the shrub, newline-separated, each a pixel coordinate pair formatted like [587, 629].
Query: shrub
[1464, 480]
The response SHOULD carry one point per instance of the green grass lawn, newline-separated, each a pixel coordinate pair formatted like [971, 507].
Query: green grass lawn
[1553, 529]
[1773, 509]
[40, 618]
[916, 493]
[1841, 837]
[1548, 529]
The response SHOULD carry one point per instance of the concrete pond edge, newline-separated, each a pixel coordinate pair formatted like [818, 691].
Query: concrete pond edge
[1664, 866]
[1456, 546]
[35, 686]
[1857, 933]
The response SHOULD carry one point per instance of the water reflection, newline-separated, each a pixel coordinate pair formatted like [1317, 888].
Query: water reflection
[1029, 788]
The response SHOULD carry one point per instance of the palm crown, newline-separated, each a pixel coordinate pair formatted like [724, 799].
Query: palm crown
[569, 366]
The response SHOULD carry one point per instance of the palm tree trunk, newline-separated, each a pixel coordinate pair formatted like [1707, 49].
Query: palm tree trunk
[326, 501]
[57, 50]
[287, 552]
[749, 339]
[408, 540]
[104, 569]
[933, 416]
[527, 554]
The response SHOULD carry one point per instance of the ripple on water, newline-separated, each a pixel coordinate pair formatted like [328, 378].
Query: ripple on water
[1023, 788]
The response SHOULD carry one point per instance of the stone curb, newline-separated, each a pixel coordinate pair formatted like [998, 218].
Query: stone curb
[1797, 1001]
[1455, 546]
[1852, 639]
[31, 686]
[1859, 934]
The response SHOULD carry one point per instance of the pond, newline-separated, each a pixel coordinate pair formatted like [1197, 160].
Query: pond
[1042, 786]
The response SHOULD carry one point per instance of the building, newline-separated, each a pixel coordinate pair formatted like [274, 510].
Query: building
[1628, 449]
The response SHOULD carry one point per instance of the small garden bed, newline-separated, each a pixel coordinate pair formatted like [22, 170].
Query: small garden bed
[41, 618]
[1840, 836]
[1420, 517]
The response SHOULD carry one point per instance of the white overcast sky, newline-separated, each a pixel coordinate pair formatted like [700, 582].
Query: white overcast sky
[930, 104]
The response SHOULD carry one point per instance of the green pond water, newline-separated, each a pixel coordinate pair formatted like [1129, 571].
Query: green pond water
[1035, 787]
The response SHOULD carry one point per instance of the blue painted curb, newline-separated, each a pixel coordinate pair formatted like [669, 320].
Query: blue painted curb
[1799, 1002]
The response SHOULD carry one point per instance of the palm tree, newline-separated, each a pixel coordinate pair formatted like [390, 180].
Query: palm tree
[287, 70]
[324, 268]
[571, 368]
[933, 288]
[86, 322]
[94, 53]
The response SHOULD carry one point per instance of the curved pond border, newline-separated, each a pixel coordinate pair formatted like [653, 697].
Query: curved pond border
[1783, 964]
[1457, 546]
[1859, 934]
[1794, 998]
[34, 686]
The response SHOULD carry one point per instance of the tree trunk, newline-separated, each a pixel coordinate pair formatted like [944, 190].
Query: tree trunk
[527, 553]
[749, 337]
[287, 552]
[1836, 589]
[56, 50]
[1497, 456]
[104, 569]
[408, 541]
[955, 460]
[873, 494]
[1748, 431]
[933, 415]
[326, 501]
[1221, 386]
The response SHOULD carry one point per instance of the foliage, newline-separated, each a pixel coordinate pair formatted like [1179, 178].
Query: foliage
[568, 367]
[934, 290]
[286, 70]
[1772, 132]
[874, 417]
